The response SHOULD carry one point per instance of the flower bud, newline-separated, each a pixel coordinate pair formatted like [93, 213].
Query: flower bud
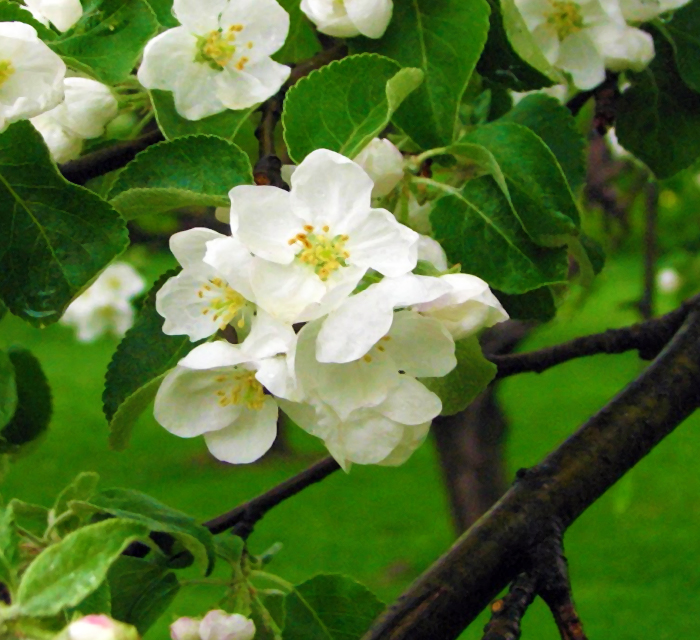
[347, 19]
[185, 629]
[98, 627]
[219, 625]
[384, 164]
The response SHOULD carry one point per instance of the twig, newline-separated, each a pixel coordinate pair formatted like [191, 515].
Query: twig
[508, 612]
[268, 169]
[648, 337]
[452, 593]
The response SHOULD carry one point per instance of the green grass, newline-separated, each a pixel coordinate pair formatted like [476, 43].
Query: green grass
[632, 555]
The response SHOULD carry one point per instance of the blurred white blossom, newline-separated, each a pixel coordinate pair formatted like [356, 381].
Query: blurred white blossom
[668, 280]
[62, 14]
[216, 625]
[348, 18]
[98, 627]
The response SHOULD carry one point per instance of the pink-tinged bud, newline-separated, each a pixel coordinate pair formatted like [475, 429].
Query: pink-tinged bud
[99, 627]
[185, 629]
[219, 625]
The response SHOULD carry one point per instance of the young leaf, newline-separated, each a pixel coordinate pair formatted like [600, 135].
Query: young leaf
[163, 10]
[141, 359]
[64, 574]
[353, 100]
[57, 236]
[658, 117]
[134, 505]
[224, 125]
[478, 229]
[82, 488]
[445, 40]
[8, 389]
[33, 413]
[141, 591]
[301, 42]
[330, 607]
[12, 12]
[32, 517]
[537, 186]
[467, 380]
[555, 125]
[108, 40]
[683, 31]
[9, 548]
[189, 171]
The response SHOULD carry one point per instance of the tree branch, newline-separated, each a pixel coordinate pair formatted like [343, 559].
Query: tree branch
[648, 337]
[507, 613]
[449, 596]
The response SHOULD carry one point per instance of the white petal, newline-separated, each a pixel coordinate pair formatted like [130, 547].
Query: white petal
[317, 419]
[331, 18]
[63, 14]
[278, 377]
[329, 189]
[187, 404]
[214, 355]
[410, 403]
[87, 108]
[380, 242]
[548, 41]
[413, 437]
[265, 24]
[371, 17]
[63, 145]
[164, 58]
[366, 437]
[241, 89]
[229, 257]
[268, 337]
[199, 17]
[419, 346]
[340, 284]
[196, 91]
[383, 162]
[248, 438]
[624, 47]
[579, 57]
[190, 247]
[266, 222]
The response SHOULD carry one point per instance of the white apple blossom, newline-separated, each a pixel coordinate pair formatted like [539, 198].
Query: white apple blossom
[584, 37]
[201, 299]
[348, 18]
[220, 57]
[383, 162]
[31, 75]
[105, 307]
[216, 625]
[217, 391]
[98, 627]
[645, 10]
[62, 14]
[185, 629]
[87, 108]
[430, 250]
[313, 244]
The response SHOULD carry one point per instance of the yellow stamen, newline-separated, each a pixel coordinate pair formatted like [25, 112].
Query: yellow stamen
[6, 70]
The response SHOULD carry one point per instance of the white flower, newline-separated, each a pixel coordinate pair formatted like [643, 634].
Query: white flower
[216, 391]
[383, 162]
[348, 18]
[220, 58]
[645, 10]
[201, 300]
[106, 305]
[583, 37]
[668, 280]
[87, 108]
[430, 250]
[98, 627]
[63, 14]
[31, 75]
[219, 625]
[312, 245]
[185, 629]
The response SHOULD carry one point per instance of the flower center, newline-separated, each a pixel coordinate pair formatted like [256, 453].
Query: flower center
[223, 301]
[565, 17]
[241, 388]
[323, 253]
[217, 48]
[6, 70]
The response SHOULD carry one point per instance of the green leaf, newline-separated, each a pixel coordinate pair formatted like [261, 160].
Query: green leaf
[13, 12]
[57, 236]
[82, 488]
[595, 252]
[109, 39]
[683, 32]
[141, 359]
[268, 613]
[8, 389]
[555, 125]
[141, 591]
[32, 517]
[478, 229]
[3, 310]
[66, 573]
[196, 170]
[99, 601]
[33, 413]
[134, 505]
[658, 117]
[468, 379]
[533, 305]
[500, 62]
[163, 10]
[353, 99]
[537, 186]
[445, 40]
[330, 607]
[301, 42]
[225, 124]
[9, 549]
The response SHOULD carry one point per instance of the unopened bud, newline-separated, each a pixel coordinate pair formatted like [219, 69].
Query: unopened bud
[185, 629]
[384, 164]
[99, 627]
[219, 625]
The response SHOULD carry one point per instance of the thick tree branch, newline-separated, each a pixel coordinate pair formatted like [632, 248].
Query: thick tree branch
[449, 596]
[648, 337]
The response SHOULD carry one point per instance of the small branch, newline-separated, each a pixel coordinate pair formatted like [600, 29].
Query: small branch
[648, 337]
[268, 169]
[508, 612]
[242, 519]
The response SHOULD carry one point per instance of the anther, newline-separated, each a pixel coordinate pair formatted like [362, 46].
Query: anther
[308, 228]
[367, 358]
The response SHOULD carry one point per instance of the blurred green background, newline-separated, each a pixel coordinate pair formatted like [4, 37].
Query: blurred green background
[633, 554]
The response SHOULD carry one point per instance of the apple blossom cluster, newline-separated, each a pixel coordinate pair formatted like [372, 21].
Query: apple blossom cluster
[216, 625]
[585, 37]
[319, 255]
[105, 307]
